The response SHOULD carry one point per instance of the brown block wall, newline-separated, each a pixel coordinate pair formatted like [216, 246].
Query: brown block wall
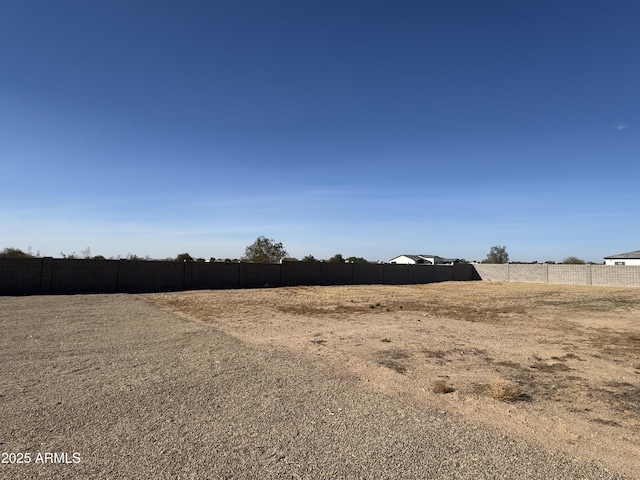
[442, 273]
[396, 274]
[83, 276]
[367, 274]
[465, 272]
[50, 276]
[256, 275]
[301, 273]
[337, 273]
[418, 274]
[140, 276]
[20, 276]
[211, 276]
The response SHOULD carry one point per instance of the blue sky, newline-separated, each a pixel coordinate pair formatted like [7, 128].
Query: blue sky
[363, 128]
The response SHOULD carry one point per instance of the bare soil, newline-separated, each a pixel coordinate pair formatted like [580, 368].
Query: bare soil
[558, 366]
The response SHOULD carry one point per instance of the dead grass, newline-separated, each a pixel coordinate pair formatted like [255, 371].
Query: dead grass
[550, 367]
[611, 343]
[570, 351]
[440, 386]
[314, 310]
[393, 359]
[504, 390]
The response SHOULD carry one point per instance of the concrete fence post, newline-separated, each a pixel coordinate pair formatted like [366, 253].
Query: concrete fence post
[546, 273]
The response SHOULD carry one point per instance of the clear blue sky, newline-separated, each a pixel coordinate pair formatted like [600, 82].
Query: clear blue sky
[365, 128]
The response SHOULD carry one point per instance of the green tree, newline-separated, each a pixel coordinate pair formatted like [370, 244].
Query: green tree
[309, 258]
[337, 258]
[573, 261]
[357, 260]
[184, 257]
[497, 254]
[134, 257]
[264, 250]
[11, 252]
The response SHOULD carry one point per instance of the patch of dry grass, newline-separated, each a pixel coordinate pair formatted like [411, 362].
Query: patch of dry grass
[393, 359]
[440, 386]
[312, 310]
[616, 343]
[504, 390]
[568, 351]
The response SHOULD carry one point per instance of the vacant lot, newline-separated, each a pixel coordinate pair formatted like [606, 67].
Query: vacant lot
[558, 366]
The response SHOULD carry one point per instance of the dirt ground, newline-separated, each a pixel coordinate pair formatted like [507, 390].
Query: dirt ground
[558, 366]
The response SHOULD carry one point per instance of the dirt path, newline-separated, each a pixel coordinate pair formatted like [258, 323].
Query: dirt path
[568, 356]
[134, 391]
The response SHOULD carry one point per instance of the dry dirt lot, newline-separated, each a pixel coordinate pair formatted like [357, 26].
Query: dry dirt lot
[558, 366]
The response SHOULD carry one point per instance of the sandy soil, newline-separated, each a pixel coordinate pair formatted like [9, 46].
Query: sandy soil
[558, 366]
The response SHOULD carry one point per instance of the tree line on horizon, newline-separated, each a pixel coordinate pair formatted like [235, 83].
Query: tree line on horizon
[263, 250]
[267, 250]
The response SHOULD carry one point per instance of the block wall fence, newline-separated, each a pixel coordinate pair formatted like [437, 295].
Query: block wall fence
[32, 276]
[604, 275]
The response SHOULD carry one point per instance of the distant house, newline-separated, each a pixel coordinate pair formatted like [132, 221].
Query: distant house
[423, 260]
[631, 258]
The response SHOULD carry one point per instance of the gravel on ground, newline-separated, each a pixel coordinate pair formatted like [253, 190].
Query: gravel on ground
[129, 390]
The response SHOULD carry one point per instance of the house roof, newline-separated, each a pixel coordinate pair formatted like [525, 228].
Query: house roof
[430, 258]
[416, 257]
[628, 256]
[449, 260]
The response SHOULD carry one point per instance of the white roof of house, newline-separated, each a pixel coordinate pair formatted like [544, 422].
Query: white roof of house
[424, 256]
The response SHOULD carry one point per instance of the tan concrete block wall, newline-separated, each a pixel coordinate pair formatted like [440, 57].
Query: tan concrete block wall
[493, 272]
[624, 276]
[605, 275]
[537, 273]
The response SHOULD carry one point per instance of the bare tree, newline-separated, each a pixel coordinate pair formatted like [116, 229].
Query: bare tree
[573, 261]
